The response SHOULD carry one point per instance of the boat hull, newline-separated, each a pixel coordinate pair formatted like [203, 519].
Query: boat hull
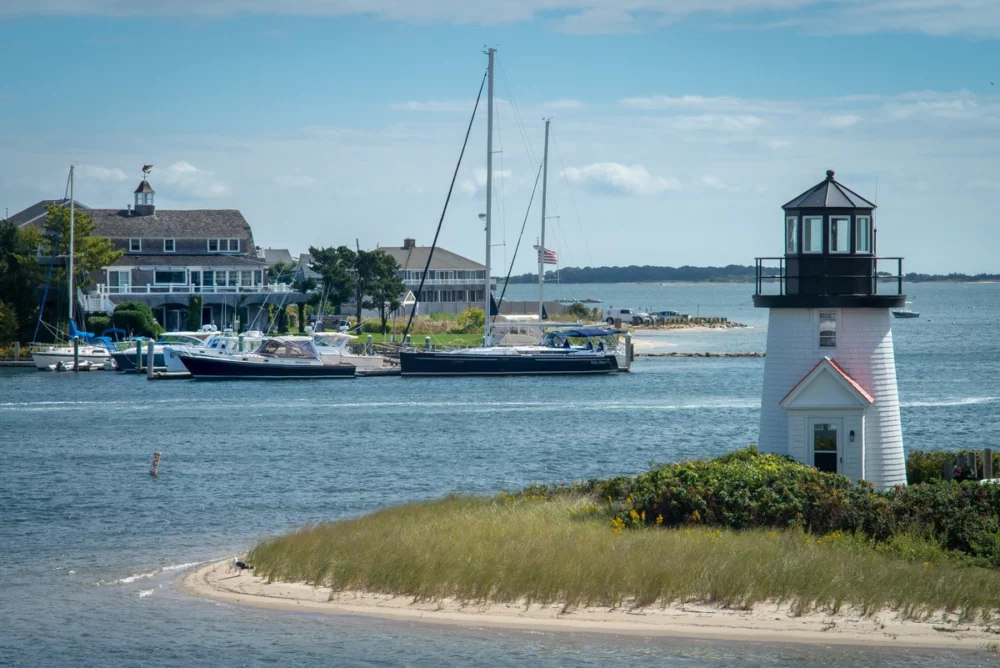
[219, 368]
[416, 363]
[126, 360]
[47, 359]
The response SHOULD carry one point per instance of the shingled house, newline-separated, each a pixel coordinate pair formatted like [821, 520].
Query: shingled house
[172, 256]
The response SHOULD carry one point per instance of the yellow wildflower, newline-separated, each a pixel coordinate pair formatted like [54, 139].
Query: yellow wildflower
[659, 520]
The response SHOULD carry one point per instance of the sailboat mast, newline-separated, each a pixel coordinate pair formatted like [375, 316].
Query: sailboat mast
[72, 211]
[489, 195]
[541, 246]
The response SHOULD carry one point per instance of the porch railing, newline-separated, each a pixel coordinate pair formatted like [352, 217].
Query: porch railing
[178, 289]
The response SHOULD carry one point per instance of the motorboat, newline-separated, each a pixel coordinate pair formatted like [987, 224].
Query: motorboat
[125, 358]
[906, 313]
[333, 348]
[574, 351]
[279, 357]
[224, 343]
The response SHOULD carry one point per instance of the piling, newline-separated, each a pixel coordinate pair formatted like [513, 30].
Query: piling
[970, 459]
[76, 355]
[17, 351]
[368, 346]
[949, 471]
[988, 464]
[408, 340]
[149, 359]
[629, 353]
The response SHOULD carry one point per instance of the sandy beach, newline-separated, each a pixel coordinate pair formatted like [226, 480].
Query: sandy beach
[765, 623]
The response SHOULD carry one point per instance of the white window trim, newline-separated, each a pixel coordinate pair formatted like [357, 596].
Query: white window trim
[173, 244]
[857, 237]
[136, 250]
[795, 221]
[804, 249]
[836, 332]
[846, 219]
[208, 245]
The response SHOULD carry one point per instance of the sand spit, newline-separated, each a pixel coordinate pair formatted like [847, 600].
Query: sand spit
[766, 623]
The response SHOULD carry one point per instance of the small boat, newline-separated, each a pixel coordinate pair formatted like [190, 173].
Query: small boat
[590, 300]
[906, 313]
[279, 357]
[333, 348]
[224, 343]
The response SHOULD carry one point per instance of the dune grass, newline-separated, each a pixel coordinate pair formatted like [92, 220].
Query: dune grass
[567, 550]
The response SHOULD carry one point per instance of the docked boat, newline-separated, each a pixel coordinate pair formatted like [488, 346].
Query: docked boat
[577, 351]
[906, 313]
[280, 357]
[90, 353]
[581, 350]
[125, 357]
[333, 348]
[224, 343]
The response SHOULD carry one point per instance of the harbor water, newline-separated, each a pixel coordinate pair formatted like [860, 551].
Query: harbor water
[91, 544]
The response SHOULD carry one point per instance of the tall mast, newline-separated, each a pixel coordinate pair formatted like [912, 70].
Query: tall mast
[72, 207]
[489, 194]
[541, 248]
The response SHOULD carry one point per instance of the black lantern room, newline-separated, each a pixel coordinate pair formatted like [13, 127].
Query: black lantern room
[830, 260]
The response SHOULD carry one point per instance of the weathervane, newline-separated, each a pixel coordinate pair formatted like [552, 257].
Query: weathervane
[145, 171]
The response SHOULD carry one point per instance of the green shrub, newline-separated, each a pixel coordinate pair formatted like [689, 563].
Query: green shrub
[579, 311]
[136, 318]
[8, 324]
[471, 320]
[928, 466]
[371, 325]
[98, 323]
[746, 490]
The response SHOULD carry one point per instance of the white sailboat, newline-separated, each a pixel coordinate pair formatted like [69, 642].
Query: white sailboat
[83, 355]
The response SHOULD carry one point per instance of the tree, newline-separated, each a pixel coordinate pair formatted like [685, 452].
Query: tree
[336, 269]
[20, 275]
[91, 253]
[194, 313]
[378, 274]
[135, 318]
[8, 325]
[304, 286]
[282, 272]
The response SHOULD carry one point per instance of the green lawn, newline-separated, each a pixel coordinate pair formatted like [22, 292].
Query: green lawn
[450, 340]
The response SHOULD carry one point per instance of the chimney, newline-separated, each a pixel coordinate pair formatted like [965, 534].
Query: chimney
[409, 243]
[128, 209]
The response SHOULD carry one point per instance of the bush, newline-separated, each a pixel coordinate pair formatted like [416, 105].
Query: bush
[136, 318]
[8, 324]
[922, 466]
[579, 311]
[98, 323]
[746, 489]
[471, 320]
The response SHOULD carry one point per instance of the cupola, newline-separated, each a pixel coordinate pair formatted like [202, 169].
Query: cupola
[144, 194]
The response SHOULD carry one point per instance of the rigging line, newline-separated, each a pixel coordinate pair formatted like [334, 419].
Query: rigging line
[506, 281]
[48, 277]
[447, 199]
[572, 201]
[517, 114]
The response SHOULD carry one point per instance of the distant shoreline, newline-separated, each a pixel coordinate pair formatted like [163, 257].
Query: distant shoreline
[218, 581]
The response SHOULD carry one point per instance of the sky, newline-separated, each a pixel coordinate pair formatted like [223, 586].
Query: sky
[679, 127]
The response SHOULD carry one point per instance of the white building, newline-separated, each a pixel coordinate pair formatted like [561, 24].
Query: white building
[830, 398]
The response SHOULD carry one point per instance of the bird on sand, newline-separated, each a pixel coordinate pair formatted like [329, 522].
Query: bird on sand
[241, 565]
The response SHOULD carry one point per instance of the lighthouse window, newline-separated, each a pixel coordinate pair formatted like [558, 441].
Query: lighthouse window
[812, 231]
[864, 242]
[827, 330]
[792, 234]
[840, 235]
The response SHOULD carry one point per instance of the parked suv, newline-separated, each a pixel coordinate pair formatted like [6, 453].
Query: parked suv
[627, 315]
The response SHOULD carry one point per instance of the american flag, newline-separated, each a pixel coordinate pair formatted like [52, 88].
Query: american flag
[547, 256]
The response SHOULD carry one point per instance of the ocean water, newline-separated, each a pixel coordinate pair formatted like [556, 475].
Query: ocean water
[91, 544]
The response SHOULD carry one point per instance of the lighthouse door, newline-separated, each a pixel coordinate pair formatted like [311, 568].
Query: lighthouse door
[826, 434]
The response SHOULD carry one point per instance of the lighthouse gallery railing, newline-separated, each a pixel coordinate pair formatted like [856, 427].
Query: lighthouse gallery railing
[828, 274]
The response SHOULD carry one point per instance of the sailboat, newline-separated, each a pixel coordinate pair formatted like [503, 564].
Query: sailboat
[84, 355]
[580, 350]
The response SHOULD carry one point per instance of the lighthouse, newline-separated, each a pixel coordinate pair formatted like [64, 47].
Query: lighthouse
[830, 398]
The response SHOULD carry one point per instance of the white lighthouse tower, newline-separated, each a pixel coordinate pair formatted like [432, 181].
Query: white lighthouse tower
[830, 398]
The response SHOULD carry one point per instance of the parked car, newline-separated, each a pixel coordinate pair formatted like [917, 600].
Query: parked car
[627, 315]
[663, 315]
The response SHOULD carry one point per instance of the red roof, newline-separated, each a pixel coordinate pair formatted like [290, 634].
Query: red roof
[839, 369]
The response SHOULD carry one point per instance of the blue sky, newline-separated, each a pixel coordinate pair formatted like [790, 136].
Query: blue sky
[680, 126]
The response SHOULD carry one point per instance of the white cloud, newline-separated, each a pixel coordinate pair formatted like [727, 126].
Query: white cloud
[102, 174]
[187, 181]
[841, 120]
[478, 181]
[716, 122]
[714, 182]
[984, 184]
[563, 105]
[618, 178]
[718, 104]
[294, 181]
[435, 106]
[978, 18]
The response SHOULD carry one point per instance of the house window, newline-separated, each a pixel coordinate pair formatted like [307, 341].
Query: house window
[812, 231]
[233, 277]
[220, 278]
[233, 244]
[168, 245]
[213, 245]
[827, 330]
[208, 277]
[169, 277]
[792, 234]
[246, 278]
[840, 234]
[135, 245]
[864, 240]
